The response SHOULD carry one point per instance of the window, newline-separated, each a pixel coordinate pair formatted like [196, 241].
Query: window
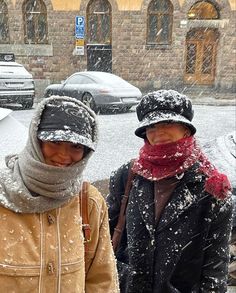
[79, 79]
[4, 29]
[159, 22]
[203, 10]
[35, 22]
[99, 22]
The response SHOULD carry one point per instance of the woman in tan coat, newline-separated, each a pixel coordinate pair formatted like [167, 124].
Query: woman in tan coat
[42, 245]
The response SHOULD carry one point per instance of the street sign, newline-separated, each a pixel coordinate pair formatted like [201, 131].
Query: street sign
[79, 50]
[79, 42]
[79, 27]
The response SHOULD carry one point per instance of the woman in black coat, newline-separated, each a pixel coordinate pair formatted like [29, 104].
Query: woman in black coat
[178, 216]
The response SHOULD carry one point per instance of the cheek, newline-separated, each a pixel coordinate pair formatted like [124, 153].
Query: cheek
[150, 137]
[77, 156]
[47, 151]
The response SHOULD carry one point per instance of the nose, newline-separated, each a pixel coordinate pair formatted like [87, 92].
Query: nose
[63, 152]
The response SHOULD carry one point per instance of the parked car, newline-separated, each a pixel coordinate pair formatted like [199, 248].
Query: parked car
[98, 90]
[222, 153]
[13, 135]
[16, 83]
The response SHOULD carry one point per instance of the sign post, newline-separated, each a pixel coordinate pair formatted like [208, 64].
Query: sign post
[79, 35]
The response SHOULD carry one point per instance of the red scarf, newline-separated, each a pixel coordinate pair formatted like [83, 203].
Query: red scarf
[166, 160]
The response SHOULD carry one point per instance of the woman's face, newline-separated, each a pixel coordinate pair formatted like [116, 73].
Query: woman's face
[162, 133]
[61, 154]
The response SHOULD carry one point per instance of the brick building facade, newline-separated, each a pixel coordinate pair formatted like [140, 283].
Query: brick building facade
[151, 43]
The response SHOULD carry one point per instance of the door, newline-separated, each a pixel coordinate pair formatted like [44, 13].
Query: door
[201, 49]
[99, 45]
[99, 58]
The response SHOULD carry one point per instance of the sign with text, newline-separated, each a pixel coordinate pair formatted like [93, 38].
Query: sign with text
[79, 50]
[79, 27]
[79, 42]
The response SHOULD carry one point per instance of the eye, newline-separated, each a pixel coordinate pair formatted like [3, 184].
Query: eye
[78, 146]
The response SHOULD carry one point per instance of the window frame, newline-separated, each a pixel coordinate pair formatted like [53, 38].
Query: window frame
[197, 5]
[35, 20]
[160, 15]
[5, 22]
[100, 39]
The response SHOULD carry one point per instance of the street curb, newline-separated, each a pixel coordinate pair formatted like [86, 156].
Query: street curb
[214, 102]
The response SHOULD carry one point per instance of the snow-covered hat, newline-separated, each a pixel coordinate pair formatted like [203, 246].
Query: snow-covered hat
[164, 106]
[67, 120]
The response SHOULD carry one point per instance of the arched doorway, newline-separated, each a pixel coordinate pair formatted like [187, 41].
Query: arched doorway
[201, 46]
[99, 48]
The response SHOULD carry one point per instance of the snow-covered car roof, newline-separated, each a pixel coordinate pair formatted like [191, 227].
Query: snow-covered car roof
[13, 135]
[222, 153]
[13, 70]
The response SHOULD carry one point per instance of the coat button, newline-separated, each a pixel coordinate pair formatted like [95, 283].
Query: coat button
[51, 219]
[51, 268]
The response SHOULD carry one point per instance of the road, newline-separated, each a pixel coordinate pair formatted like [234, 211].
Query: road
[117, 142]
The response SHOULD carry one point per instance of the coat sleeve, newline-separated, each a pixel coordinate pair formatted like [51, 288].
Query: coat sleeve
[100, 264]
[216, 259]
[116, 191]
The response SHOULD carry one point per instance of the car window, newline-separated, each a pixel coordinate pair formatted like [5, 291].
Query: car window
[87, 80]
[112, 80]
[75, 79]
[79, 79]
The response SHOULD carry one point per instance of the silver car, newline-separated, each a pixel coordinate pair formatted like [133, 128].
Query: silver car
[98, 90]
[16, 84]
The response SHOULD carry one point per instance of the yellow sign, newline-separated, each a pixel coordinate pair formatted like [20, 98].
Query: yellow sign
[79, 42]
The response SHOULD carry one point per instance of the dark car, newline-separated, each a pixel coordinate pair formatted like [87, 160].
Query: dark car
[16, 83]
[98, 90]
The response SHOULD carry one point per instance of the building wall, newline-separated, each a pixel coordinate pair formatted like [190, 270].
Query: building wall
[133, 60]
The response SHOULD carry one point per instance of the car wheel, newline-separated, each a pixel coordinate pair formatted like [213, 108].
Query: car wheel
[27, 104]
[88, 100]
[48, 94]
[126, 109]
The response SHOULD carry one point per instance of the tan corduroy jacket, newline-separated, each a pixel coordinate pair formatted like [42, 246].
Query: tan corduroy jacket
[45, 252]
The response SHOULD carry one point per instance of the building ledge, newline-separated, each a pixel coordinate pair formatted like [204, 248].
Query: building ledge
[27, 50]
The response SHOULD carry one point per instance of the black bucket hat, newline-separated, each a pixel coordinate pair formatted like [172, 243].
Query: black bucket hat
[67, 121]
[164, 106]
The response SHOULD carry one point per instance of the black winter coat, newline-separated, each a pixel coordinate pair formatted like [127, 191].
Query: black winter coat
[187, 251]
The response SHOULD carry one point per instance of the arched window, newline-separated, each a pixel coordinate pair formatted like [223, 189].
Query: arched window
[4, 28]
[159, 22]
[99, 22]
[203, 10]
[35, 22]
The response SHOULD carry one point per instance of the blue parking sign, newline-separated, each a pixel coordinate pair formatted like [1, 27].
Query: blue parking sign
[79, 27]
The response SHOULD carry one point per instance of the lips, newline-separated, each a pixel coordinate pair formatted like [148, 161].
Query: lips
[57, 164]
[162, 141]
